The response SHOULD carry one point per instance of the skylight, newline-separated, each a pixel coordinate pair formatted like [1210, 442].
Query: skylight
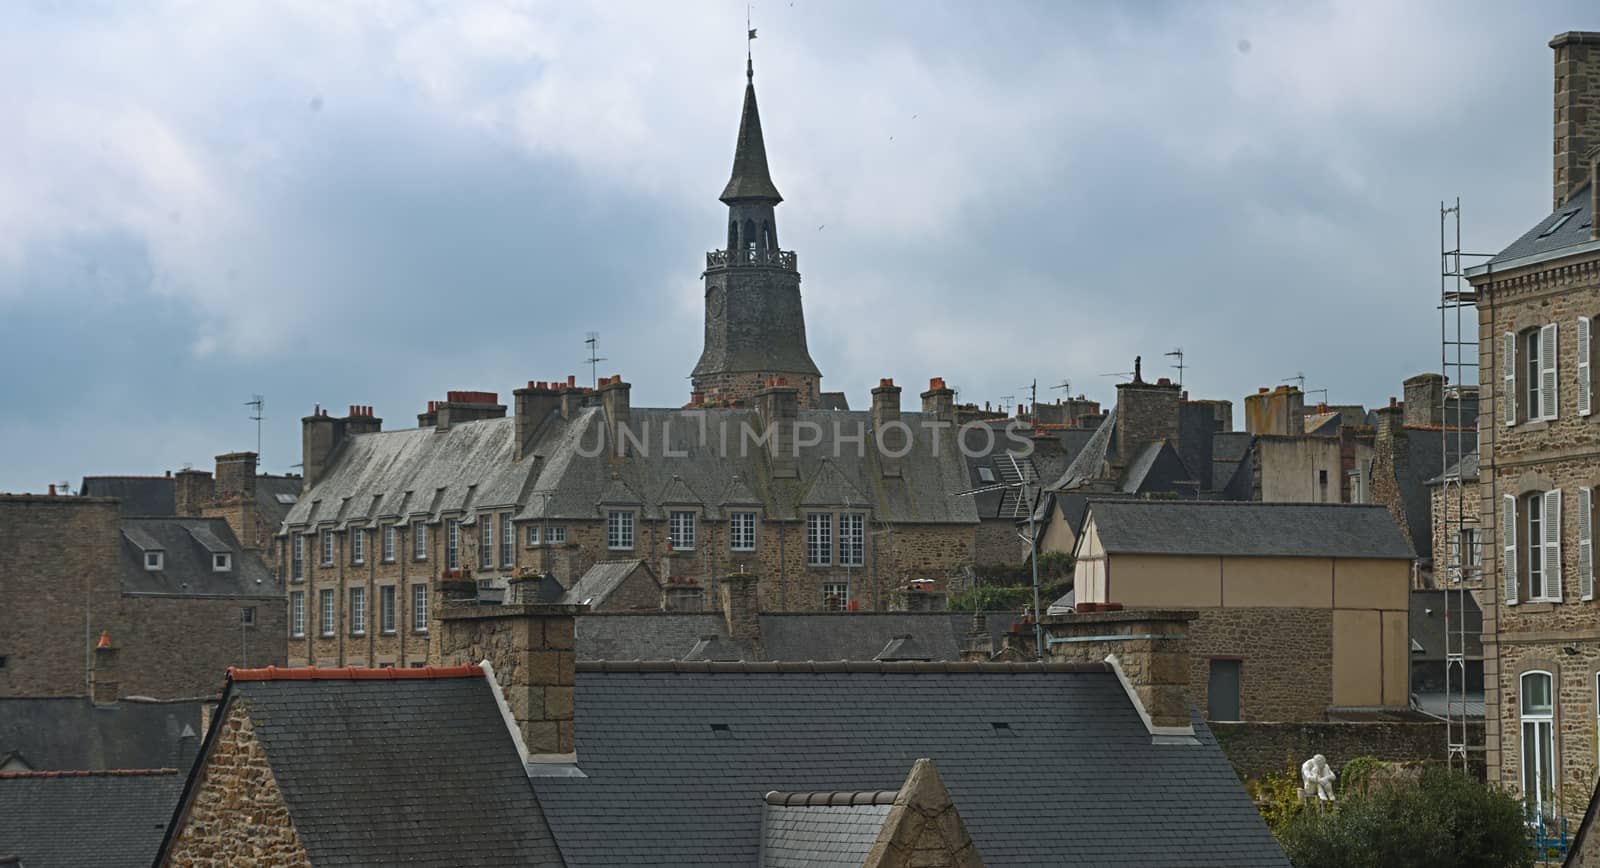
[1560, 222]
[287, 499]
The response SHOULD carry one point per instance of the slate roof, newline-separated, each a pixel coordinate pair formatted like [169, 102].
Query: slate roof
[412, 767]
[645, 635]
[750, 178]
[1466, 468]
[187, 545]
[140, 495]
[1428, 624]
[785, 636]
[1425, 450]
[822, 830]
[1573, 230]
[425, 474]
[1248, 529]
[594, 587]
[1077, 781]
[271, 492]
[71, 732]
[104, 819]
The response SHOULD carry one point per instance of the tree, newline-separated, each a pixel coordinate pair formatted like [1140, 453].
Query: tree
[1438, 819]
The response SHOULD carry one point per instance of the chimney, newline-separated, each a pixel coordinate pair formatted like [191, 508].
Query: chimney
[741, 607]
[1391, 422]
[778, 410]
[1424, 405]
[1197, 428]
[104, 689]
[977, 646]
[1146, 413]
[1149, 651]
[614, 400]
[891, 435]
[362, 421]
[320, 436]
[193, 491]
[236, 477]
[939, 402]
[1275, 412]
[533, 405]
[531, 652]
[1577, 112]
[459, 407]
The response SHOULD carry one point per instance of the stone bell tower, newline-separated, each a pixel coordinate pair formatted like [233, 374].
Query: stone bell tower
[755, 325]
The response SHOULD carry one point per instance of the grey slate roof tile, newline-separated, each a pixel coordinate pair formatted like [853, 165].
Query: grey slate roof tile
[820, 836]
[62, 733]
[1574, 230]
[140, 495]
[1248, 529]
[187, 545]
[101, 819]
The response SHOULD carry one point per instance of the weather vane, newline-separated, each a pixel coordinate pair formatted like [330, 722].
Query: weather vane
[750, 35]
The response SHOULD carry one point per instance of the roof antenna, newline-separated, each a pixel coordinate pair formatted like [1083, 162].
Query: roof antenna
[257, 402]
[592, 341]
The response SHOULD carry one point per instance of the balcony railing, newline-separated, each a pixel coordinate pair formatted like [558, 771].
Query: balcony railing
[784, 259]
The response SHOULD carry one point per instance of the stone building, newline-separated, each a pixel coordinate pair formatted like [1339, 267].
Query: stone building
[1539, 456]
[254, 504]
[96, 602]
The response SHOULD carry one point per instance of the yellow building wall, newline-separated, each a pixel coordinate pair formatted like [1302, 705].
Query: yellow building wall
[1293, 582]
[1162, 581]
[1357, 657]
[1371, 584]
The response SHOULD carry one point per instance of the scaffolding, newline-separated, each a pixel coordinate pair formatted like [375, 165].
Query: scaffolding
[1463, 557]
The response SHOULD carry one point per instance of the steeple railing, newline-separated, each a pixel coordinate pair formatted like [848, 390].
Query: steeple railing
[784, 259]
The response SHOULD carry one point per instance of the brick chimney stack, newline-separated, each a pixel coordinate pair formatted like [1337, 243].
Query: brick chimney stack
[1146, 413]
[1577, 112]
[534, 405]
[741, 606]
[614, 398]
[939, 402]
[193, 491]
[320, 436]
[778, 411]
[236, 476]
[361, 420]
[887, 430]
[1424, 403]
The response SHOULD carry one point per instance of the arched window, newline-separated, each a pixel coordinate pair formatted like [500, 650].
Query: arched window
[1532, 565]
[733, 234]
[1538, 742]
[750, 234]
[769, 242]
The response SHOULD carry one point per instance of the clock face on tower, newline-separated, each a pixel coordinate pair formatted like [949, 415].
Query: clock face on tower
[714, 301]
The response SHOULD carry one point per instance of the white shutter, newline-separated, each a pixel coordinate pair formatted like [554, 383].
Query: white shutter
[1548, 408]
[1508, 367]
[1585, 386]
[1552, 544]
[1508, 532]
[1586, 543]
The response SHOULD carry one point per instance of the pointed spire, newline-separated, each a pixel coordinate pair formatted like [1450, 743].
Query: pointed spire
[750, 177]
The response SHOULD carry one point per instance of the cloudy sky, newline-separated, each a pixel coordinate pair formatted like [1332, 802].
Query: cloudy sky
[375, 202]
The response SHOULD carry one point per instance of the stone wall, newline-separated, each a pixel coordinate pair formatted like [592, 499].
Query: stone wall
[1258, 748]
[171, 647]
[996, 542]
[1446, 505]
[236, 814]
[533, 652]
[1151, 647]
[1286, 660]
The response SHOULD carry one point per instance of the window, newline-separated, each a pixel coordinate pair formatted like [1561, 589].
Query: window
[247, 616]
[221, 562]
[358, 546]
[1534, 508]
[1586, 543]
[419, 541]
[326, 599]
[389, 534]
[299, 557]
[486, 541]
[835, 597]
[742, 532]
[555, 535]
[533, 535]
[358, 611]
[985, 474]
[819, 539]
[1538, 388]
[1585, 366]
[619, 529]
[327, 548]
[153, 560]
[508, 542]
[1222, 690]
[386, 608]
[680, 534]
[1532, 547]
[1538, 742]
[297, 614]
[452, 544]
[419, 608]
[853, 539]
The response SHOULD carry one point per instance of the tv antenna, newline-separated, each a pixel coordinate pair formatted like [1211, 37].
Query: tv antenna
[592, 341]
[1299, 379]
[1029, 492]
[1178, 352]
[256, 404]
[1004, 399]
[1064, 386]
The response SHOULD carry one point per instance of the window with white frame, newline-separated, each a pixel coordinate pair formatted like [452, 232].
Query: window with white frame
[555, 535]
[153, 561]
[419, 541]
[533, 535]
[419, 608]
[358, 545]
[508, 542]
[1531, 564]
[742, 531]
[327, 548]
[853, 539]
[619, 529]
[221, 562]
[452, 544]
[358, 611]
[247, 616]
[680, 531]
[486, 541]
[819, 539]
[389, 534]
[297, 614]
[386, 609]
[299, 557]
[1586, 543]
[835, 597]
[1532, 358]
[325, 599]
[1538, 742]
[1585, 366]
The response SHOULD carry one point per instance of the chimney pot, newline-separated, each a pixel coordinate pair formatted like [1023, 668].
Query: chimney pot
[1263, 390]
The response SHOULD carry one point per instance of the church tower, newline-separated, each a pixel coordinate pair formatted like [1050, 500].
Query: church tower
[755, 327]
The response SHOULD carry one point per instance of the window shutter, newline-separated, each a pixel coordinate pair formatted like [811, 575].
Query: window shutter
[1552, 544]
[1508, 532]
[1586, 543]
[1585, 386]
[1508, 367]
[1548, 408]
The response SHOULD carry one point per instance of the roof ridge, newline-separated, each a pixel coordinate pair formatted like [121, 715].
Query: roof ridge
[351, 673]
[86, 773]
[1130, 501]
[836, 666]
[832, 798]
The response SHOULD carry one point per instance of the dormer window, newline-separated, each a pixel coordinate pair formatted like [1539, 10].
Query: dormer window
[221, 562]
[153, 561]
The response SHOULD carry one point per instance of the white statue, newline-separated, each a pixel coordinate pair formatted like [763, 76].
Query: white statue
[1316, 776]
